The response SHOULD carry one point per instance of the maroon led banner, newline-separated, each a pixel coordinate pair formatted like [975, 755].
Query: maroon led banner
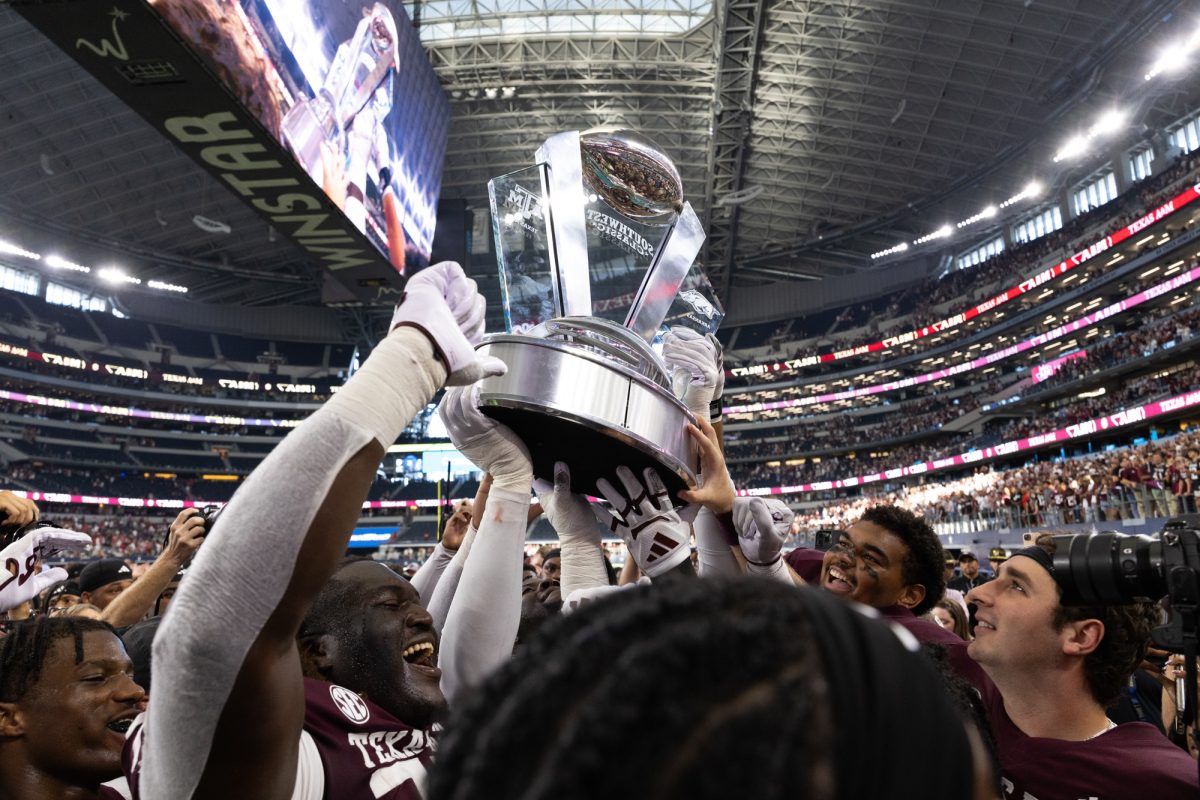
[1043, 277]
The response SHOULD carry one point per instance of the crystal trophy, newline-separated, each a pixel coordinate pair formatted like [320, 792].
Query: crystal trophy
[596, 247]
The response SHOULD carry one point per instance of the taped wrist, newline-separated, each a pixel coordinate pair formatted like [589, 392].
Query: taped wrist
[398, 379]
[776, 570]
[582, 564]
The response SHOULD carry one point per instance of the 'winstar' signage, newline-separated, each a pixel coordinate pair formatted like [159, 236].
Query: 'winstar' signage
[129, 49]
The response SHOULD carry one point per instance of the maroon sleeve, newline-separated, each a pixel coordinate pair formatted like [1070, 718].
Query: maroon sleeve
[806, 563]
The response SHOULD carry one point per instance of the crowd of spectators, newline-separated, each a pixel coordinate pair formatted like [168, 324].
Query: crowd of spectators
[932, 300]
[1157, 479]
[1056, 415]
[1158, 329]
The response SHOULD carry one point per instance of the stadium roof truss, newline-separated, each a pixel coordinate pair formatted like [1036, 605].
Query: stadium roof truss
[808, 133]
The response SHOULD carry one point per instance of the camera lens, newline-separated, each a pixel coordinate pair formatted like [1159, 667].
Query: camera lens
[1109, 568]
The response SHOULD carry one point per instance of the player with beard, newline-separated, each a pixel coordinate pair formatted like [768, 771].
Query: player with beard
[329, 676]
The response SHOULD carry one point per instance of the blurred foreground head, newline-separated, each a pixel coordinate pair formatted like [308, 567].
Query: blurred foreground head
[698, 689]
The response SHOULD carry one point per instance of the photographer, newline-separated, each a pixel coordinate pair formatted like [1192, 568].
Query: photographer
[138, 599]
[1055, 669]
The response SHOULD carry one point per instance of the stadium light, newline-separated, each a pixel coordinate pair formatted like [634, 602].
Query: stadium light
[17, 250]
[61, 263]
[167, 287]
[114, 275]
[1110, 122]
[900, 248]
[1072, 148]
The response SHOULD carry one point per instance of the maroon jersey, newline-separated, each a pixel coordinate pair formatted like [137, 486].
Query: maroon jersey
[925, 631]
[366, 752]
[1133, 761]
[351, 749]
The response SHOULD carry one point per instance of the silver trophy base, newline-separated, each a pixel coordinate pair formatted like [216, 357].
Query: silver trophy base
[573, 397]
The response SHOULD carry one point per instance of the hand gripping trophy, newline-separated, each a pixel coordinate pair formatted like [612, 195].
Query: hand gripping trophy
[595, 245]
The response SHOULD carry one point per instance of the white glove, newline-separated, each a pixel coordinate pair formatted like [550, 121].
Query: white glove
[18, 582]
[492, 447]
[572, 517]
[569, 513]
[697, 359]
[762, 525]
[444, 304]
[657, 539]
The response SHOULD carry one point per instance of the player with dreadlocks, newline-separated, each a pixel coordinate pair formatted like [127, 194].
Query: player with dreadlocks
[707, 689]
[66, 700]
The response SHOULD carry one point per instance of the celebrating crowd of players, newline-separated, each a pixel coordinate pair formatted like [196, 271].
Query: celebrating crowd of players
[251, 661]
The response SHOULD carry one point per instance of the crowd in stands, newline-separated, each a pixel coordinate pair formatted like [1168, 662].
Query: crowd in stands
[1158, 329]
[1057, 415]
[915, 306]
[1157, 479]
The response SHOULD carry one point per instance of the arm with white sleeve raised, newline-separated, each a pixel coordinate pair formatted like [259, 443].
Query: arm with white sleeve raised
[226, 668]
[485, 614]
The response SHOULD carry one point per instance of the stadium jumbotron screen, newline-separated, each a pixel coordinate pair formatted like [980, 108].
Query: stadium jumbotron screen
[347, 89]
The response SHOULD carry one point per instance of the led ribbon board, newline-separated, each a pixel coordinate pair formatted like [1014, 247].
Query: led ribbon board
[1129, 416]
[1085, 321]
[1083, 256]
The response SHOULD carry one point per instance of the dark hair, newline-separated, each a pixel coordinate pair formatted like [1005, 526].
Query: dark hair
[634, 695]
[23, 652]
[924, 562]
[965, 556]
[961, 628]
[1126, 638]
[333, 608]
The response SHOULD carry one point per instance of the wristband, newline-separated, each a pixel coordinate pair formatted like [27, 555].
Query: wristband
[771, 563]
[714, 410]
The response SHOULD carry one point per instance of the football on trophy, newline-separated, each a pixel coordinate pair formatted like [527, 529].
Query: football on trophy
[630, 172]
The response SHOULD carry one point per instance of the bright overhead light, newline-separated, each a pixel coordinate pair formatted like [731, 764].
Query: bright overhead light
[17, 250]
[61, 263]
[990, 211]
[114, 275]
[1109, 122]
[167, 287]
[1072, 148]
[1032, 189]
[900, 248]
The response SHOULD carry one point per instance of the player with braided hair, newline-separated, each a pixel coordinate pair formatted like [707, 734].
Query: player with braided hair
[699, 689]
[66, 699]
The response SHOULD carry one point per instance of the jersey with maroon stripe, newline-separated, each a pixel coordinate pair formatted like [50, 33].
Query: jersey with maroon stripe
[350, 749]
[365, 751]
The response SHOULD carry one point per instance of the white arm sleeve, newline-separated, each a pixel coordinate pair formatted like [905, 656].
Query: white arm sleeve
[582, 563]
[241, 573]
[482, 624]
[443, 595]
[310, 772]
[426, 579]
[716, 556]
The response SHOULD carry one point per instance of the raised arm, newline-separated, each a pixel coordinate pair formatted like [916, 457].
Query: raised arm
[482, 622]
[185, 536]
[227, 679]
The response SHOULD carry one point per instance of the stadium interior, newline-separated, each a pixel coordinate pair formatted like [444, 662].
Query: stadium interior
[862, 344]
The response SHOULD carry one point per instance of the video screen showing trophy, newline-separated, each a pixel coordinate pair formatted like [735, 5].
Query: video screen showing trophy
[596, 245]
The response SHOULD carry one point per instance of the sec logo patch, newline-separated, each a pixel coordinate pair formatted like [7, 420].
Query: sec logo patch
[350, 704]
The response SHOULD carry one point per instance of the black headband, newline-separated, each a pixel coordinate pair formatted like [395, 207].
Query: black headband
[1039, 555]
